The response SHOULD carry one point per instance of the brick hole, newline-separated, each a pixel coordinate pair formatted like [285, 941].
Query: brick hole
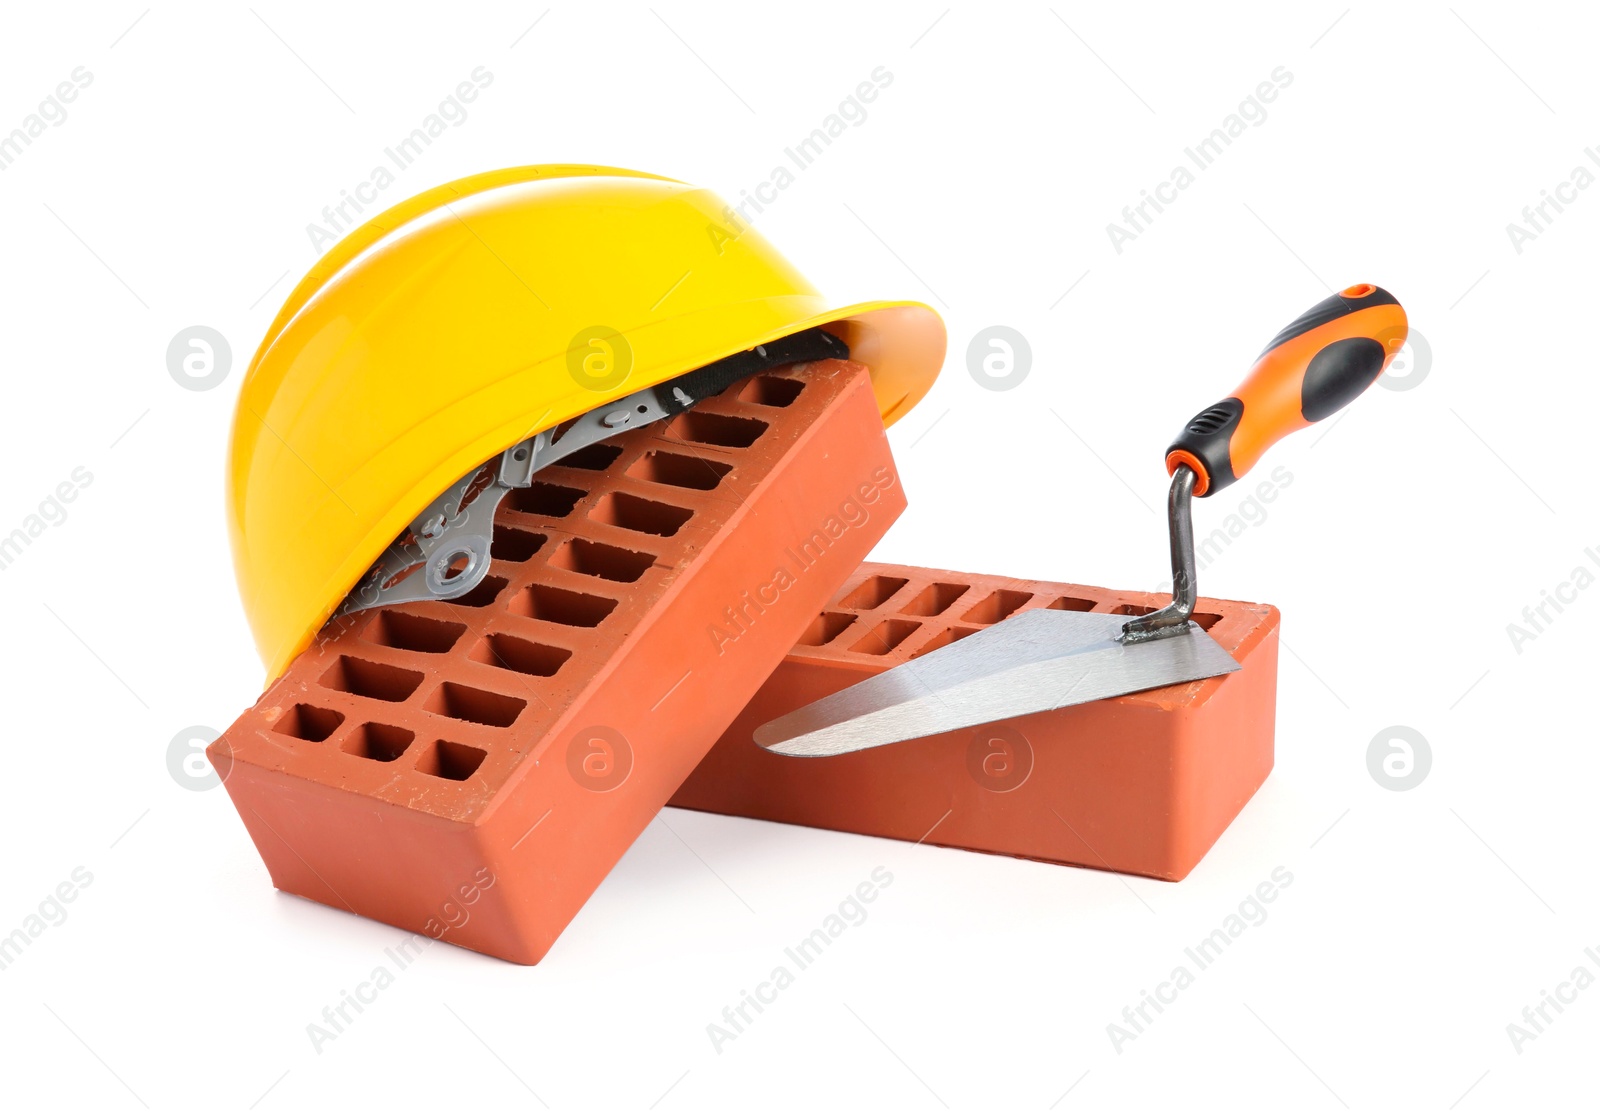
[543, 498]
[386, 682]
[637, 514]
[1133, 611]
[514, 545]
[378, 742]
[472, 704]
[824, 628]
[602, 560]
[562, 607]
[482, 594]
[683, 471]
[886, 636]
[772, 392]
[1205, 620]
[948, 637]
[873, 592]
[502, 650]
[396, 629]
[997, 606]
[716, 430]
[308, 723]
[450, 760]
[596, 457]
[1077, 605]
[934, 600]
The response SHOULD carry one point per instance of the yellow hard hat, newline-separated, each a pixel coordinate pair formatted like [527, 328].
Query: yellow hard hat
[451, 327]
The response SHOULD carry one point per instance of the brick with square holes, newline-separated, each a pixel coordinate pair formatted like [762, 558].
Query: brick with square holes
[1141, 784]
[525, 734]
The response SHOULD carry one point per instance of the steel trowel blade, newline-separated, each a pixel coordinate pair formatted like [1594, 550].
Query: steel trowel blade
[1036, 661]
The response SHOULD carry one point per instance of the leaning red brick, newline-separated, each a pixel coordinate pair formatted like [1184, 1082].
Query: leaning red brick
[471, 770]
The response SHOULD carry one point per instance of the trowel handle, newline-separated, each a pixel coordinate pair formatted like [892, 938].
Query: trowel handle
[1315, 366]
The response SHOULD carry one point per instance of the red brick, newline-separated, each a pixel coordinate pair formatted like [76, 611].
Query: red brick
[1141, 784]
[417, 752]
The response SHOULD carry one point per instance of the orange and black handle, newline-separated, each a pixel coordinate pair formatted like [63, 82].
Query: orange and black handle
[1316, 365]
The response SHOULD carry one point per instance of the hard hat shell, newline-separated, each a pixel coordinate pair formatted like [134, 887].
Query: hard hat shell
[457, 323]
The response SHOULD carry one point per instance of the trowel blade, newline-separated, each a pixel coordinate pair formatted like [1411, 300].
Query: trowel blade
[1036, 661]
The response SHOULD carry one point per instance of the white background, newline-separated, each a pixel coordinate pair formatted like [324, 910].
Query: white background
[1419, 923]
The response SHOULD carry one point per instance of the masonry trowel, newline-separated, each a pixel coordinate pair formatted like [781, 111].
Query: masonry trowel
[1045, 659]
